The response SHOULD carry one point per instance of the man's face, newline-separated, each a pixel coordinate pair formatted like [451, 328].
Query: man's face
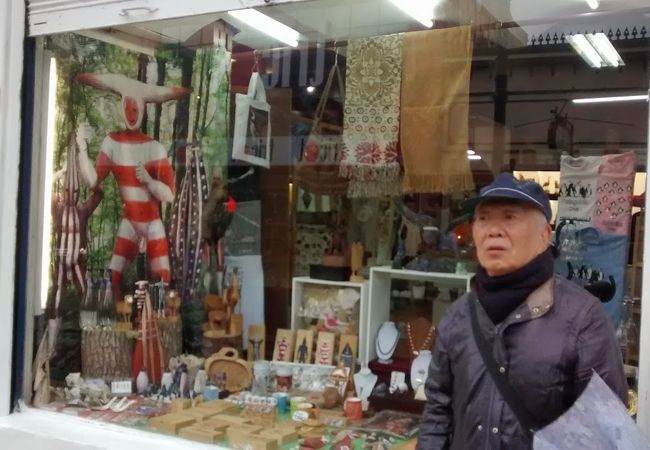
[508, 235]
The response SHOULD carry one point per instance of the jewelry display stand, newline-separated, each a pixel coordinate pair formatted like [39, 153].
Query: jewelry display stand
[364, 381]
[387, 339]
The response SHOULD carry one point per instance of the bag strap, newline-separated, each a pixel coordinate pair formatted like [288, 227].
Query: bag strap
[322, 103]
[506, 390]
[256, 87]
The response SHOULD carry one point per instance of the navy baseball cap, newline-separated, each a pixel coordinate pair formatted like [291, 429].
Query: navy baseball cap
[507, 187]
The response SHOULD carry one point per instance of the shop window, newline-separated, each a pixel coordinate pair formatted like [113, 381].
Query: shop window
[247, 223]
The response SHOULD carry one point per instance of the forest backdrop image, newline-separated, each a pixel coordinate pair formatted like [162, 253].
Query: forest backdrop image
[198, 120]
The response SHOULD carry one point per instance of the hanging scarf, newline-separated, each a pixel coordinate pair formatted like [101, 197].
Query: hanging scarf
[371, 118]
[501, 295]
[435, 108]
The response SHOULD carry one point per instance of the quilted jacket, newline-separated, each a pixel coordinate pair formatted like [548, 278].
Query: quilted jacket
[548, 347]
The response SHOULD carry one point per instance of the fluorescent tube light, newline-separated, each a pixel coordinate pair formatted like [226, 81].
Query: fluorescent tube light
[586, 50]
[474, 157]
[49, 168]
[267, 25]
[420, 10]
[605, 49]
[471, 152]
[621, 98]
[593, 4]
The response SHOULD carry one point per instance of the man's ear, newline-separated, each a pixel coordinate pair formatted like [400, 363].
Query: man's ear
[547, 233]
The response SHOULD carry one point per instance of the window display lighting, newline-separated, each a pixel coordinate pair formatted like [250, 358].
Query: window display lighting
[620, 98]
[267, 25]
[420, 10]
[596, 49]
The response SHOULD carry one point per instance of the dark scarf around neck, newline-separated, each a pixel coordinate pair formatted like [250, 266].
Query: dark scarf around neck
[501, 295]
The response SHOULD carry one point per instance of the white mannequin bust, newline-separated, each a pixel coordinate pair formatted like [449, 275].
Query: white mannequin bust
[364, 382]
[387, 338]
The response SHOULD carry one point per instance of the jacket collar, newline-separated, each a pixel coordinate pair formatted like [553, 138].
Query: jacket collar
[538, 303]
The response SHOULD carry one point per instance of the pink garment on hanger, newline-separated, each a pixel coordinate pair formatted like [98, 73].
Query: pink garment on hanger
[614, 193]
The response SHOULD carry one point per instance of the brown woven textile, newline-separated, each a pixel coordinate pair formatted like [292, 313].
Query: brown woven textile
[436, 69]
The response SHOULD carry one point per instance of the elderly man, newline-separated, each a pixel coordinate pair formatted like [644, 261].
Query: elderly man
[544, 335]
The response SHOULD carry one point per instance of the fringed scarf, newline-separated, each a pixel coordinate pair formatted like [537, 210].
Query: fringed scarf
[435, 106]
[371, 118]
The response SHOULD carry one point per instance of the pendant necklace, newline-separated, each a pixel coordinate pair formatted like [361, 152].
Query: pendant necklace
[426, 344]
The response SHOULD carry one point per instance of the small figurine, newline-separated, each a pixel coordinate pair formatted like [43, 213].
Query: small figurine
[347, 357]
[302, 351]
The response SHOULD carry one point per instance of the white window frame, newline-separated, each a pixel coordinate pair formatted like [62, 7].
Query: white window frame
[87, 14]
[12, 31]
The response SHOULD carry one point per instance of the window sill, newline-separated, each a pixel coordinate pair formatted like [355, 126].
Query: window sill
[62, 427]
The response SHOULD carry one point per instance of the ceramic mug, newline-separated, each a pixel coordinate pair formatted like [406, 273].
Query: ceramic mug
[284, 379]
[353, 410]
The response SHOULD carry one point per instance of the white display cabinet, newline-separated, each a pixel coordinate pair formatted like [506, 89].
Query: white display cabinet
[297, 299]
[380, 296]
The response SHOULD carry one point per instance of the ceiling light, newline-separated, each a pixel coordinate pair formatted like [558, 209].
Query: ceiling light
[593, 4]
[586, 50]
[471, 152]
[622, 98]
[311, 89]
[420, 10]
[596, 49]
[265, 24]
[605, 49]
[474, 157]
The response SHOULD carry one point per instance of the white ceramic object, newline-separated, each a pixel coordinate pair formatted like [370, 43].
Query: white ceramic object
[142, 382]
[420, 369]
[167, 380]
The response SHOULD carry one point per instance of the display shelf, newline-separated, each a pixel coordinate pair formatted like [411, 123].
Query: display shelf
[378, 310]
[297, 291]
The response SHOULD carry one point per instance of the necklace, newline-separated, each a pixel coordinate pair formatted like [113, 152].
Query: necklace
[392, 348]
[427, 341]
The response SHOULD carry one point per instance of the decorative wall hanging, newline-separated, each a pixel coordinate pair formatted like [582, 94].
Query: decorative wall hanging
[577, 197]
[284, 341]
[347, 354]
[614, 191]
[371, 118]
[186, 239]
[325, 348]
[142, 171]
[304, 346]
[252, 132]
[435, 106]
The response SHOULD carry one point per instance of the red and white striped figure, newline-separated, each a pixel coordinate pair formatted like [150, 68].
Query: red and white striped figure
[142, 171]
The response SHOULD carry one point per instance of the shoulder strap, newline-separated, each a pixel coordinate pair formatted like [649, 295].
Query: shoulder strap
[256, 87]
[506, 390]
[320, 108]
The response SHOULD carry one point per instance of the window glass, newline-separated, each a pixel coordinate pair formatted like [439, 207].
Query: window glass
[279, 185]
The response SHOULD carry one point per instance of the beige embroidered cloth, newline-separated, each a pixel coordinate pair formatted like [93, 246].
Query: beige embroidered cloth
[435, 106]
[371, 118]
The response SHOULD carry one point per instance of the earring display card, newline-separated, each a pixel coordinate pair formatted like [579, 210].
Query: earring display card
[325, 348]
[284, 342]
[347, 354]
[304, 345]
[256, 342]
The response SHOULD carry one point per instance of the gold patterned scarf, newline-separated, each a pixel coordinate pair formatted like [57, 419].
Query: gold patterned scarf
[371, 119]
[435, 105]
